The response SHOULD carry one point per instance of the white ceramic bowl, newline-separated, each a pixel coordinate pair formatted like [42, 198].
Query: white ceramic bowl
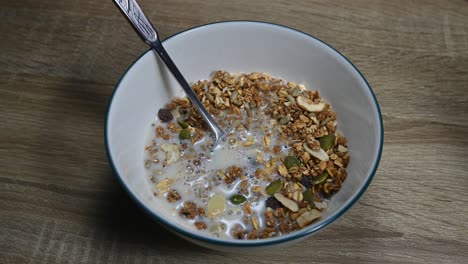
[244, 46]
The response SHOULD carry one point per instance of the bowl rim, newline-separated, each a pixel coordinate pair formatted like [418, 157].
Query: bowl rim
[247, 243]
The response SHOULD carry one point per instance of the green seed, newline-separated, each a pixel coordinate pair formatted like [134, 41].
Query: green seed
[284, 120]
[320, 179]
[327, 142]
[237, 199]
[182, 123]
[184, 134]
[274, 187]
[295, 92]
[308, 196]
[291, 161]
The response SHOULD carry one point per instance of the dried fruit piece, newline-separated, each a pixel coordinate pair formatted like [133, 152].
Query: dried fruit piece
[274, 187]
[327, 142]
[319, 154]
[184, 134]
[306, 181]
[308, 217]
[215, 206]
[309, 105]
[165, 115]
[291, 161]
[320, 179]
[237, 199]
[273, 203]
[172, 153]
[290, 204]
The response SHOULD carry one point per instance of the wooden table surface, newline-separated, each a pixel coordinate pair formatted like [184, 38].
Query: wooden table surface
[60, 61]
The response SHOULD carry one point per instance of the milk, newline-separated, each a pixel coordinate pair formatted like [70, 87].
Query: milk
[191, 180]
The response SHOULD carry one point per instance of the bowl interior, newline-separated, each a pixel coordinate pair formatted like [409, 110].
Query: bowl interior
[244, 47]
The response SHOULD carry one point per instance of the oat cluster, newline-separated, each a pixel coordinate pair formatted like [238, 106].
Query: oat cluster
[301, 158]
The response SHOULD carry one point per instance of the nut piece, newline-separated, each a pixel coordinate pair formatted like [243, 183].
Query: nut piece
[308, 217]
[321, 205]
[319, 154]
[255, 223]
[172, 153]
[308, 105]
[282, 170]
[164, 185]
[342, 149]
[290, 204]
[215, 206]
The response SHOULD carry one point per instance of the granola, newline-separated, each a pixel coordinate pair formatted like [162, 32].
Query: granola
[280, 163]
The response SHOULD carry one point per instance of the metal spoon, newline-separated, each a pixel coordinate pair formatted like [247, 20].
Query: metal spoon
[147, 32]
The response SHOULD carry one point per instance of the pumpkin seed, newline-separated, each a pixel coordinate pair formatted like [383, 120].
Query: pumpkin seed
[182, 123]
[308, 196]
[291, 161]
[320, 179]
[295, 92]
[284, 120]
[327, 142]
[237, 199]
[274, 187]
[184, 134]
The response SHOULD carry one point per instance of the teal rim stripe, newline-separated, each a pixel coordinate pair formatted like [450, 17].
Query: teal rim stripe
[248, 243]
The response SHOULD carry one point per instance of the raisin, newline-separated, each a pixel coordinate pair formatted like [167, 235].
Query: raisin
[273, 203]
[306, 181]
[165, 115]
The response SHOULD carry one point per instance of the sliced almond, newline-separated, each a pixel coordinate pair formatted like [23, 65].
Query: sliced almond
[309, 105]
[319, 154]
[290, 204]
[308, 217]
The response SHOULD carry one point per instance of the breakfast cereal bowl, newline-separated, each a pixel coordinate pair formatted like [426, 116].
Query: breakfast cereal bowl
[244, 47]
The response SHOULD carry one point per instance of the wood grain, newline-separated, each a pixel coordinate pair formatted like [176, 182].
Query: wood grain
[59, 201]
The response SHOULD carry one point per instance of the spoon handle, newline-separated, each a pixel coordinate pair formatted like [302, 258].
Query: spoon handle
[135, 16]
[148, 33]
[217, 131]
